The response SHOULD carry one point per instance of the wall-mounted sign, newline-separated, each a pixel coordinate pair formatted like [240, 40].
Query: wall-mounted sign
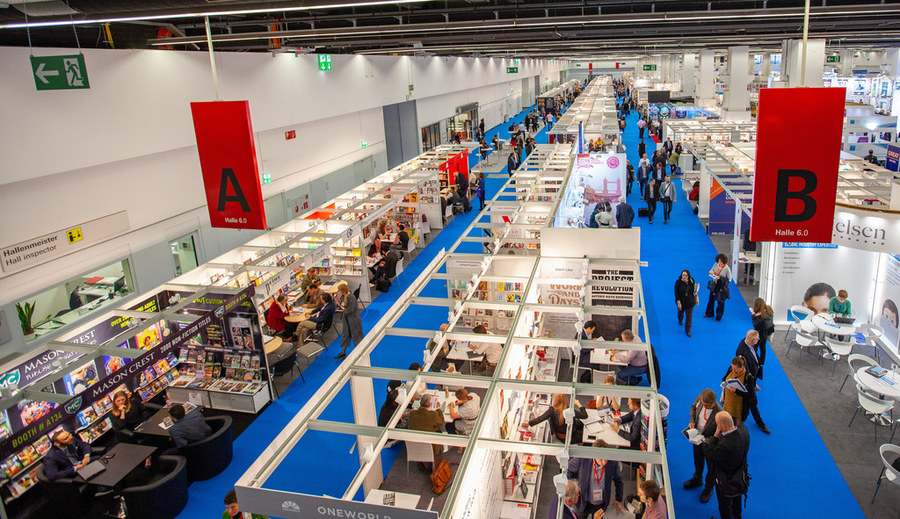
[324, 61]
[794, 193]
[512, 70]
[649, 68]
[59, 72]
[833, 59]
[228, 162]
[35, 251]
[866, 230]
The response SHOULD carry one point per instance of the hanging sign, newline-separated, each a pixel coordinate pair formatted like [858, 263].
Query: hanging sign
[59, 72]
[892, 158]
[228, 162]
[794, 192]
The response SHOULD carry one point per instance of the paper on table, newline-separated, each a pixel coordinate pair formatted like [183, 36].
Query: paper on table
[593, 428]
[693, 435]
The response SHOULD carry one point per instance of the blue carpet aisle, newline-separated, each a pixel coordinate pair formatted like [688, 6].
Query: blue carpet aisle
[328, 470]
[793, 472]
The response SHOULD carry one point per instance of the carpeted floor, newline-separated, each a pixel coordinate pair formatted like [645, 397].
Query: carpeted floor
[793, 472]
[322, 463]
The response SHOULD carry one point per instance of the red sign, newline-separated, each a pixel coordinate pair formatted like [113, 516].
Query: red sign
[796, 178]
[290, 134]
[228, 161]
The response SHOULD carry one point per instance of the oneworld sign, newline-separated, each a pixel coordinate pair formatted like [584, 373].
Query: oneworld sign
[865, 230]
[277, 503]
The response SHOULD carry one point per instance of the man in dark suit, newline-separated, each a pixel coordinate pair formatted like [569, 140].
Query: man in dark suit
[668, 146]
[68, 454]
[596, 477]
[703, 418]
[584, 356]
[187, 428]
[571, 498]
[512, 163]
[651, 195]
[643, 176]
[642, 148]
[636, 418]
[727, 451]
[746, 349]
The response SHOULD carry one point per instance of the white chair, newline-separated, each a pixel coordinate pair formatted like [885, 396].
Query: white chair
[872, 332]
[599, 377]
[797, 313]
[836, 350]
[888, 472]
[862, 360]
[420, 452]
[872, 405]
[803, 340]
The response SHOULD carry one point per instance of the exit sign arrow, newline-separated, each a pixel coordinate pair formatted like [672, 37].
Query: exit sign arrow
[59, 72]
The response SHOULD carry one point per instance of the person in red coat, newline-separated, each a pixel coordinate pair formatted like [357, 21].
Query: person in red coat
[275, 318]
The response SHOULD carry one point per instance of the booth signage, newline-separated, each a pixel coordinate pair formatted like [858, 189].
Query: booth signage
[892, 158]
[59, 72]
[794, 193]
[278, 503]
[866, 230]
[35, 251]
[228, 162]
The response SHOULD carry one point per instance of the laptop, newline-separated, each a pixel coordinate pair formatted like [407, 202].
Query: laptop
[91, 469]
[844, 320]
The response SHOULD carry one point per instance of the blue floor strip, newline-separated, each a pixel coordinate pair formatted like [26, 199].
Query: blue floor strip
[793, 472]
[322, 462]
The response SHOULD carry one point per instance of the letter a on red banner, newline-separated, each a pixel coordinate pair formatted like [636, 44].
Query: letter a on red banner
[228, 162]
[798, 146]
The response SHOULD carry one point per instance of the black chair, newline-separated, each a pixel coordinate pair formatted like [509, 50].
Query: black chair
[211, 455]
[68, 497]
[283, 367]
[356, 295]
[319, 337]
[164, 496]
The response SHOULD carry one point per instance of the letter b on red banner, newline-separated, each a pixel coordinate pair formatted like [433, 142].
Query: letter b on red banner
[228, 161]
[798, 148]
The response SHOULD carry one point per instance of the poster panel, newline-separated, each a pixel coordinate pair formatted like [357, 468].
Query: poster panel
[886, 312]
[611, 326]
[597, 178]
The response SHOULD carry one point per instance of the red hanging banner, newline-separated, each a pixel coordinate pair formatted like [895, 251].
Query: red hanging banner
[228, 162]
[798, 146]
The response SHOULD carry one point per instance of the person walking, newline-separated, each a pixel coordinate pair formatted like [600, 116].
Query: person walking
[512, 163]
[651, 195]
[667, 194]
[764, 324]
[685, 299]
[727, 452]
[351, 324]
[642, 148]
[643, 174]
[629, 176]
[747, 350]
[641, 124]
[480, 189]
[720, 277]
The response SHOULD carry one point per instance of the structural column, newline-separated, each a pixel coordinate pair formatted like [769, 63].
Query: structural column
[688, 69]
[737, 99]
[792, 62]
[706, 79]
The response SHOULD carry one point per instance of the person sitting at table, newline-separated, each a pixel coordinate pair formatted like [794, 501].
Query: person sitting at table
[128, 412]
[636, 361]
[440, 361]
[66, 456]
[635, 417]
[402, 237]
[317, 319]
[187, 427]
[554, 417]
[464, 413]
[423, 418]
[395, 384]
[490, 350]
[609, 401]
[278, 310]
[596, 478]
[584, 356]
[312, 298]
[233, 510]
[840, 305]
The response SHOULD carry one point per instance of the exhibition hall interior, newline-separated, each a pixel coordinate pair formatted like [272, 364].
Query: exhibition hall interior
[458, 259]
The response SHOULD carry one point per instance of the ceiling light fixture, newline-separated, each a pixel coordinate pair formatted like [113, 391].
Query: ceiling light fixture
[236, 12]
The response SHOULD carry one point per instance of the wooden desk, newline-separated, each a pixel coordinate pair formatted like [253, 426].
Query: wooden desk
[272, 345]
[121, 459]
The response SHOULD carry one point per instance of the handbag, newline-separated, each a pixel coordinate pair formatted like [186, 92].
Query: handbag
[711, 284]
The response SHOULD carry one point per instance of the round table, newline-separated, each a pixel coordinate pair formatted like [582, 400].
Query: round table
[272, 345]
[825, 324]
[296, 318]
[877, 386]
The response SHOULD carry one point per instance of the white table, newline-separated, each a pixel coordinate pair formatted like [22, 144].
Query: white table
[607, 434]
[880, 386]
[601, 356]
[401, 500]
[460, 352]
[825, 324]
[442, 401]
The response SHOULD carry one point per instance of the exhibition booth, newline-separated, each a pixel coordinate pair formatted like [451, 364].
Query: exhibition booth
[598, 182]
[532, 306]
[594, 111]
[550, 99]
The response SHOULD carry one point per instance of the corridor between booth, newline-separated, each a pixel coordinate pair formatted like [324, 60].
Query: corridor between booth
[792, 470]
[325, 472]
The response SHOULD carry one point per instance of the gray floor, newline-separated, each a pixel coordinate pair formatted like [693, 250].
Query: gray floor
[854, 449]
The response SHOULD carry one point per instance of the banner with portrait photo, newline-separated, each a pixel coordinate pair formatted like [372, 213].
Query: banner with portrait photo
[887, 300]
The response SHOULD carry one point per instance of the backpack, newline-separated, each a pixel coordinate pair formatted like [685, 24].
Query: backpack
[382, 284]
[441, 477]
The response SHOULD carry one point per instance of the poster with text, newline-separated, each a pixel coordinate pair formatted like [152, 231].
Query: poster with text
[597, 178]
[810, 274]
[611, 326]
[565, 292]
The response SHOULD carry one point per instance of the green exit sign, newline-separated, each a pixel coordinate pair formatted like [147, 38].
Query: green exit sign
[267, 178]
[512, 70]
[832, 59]
[516, 62]
[324, 61]
[650, 68]
[59, 72]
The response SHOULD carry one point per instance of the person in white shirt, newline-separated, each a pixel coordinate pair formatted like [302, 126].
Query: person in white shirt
[490, 350]
[644, 160]
[636, 361]
[464, 412]
[668, 197]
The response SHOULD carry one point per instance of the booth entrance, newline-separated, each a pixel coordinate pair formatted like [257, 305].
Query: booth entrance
[431, 136]
[464, 124]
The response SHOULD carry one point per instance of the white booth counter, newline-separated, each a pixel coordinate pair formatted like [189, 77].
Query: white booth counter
[532, 308]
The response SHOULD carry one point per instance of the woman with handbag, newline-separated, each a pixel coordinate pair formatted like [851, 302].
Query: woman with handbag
[764, 324]
[720, 277]
[686, 298]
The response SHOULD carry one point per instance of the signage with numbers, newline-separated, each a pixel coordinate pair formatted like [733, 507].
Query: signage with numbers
[59, 72]
[324, 61]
